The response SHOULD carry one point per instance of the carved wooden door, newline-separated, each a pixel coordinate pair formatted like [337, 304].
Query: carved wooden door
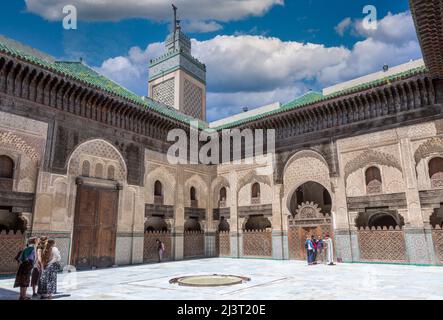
[95, 226]
[106, 228]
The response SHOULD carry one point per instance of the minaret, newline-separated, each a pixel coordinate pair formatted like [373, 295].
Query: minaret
[177, 78]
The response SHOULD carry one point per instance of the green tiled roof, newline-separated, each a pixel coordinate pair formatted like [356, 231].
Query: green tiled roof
[87, 75]
[315, 97]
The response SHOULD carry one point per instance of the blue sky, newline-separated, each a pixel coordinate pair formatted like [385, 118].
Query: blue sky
[269, 50]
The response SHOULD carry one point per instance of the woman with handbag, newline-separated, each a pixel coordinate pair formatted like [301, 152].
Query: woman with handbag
[47, 285]
[26, 259]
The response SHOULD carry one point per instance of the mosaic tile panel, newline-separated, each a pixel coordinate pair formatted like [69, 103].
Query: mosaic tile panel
[224, 244]
[437, 237]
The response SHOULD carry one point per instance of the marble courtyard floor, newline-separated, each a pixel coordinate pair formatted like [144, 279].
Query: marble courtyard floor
[270, 279]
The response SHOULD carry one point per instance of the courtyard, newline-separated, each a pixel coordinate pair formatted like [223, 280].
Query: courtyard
[270, 280]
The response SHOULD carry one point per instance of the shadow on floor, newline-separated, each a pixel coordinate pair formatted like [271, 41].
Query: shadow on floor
[6, 294]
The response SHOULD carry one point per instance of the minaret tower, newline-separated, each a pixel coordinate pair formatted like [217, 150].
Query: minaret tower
[176, 78]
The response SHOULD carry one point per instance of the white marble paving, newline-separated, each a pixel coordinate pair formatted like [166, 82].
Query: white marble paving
[270, 279]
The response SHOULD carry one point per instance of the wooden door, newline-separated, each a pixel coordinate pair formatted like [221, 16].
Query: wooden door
[106, 228]
[95, 226]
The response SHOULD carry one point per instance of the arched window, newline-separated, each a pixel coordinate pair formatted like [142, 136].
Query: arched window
[99, 170]
[436, 172]
[382, 220]
[193, 194]
[255, 193]
[373, 180]
[6, 167]
[223, 194]
[86, 168]
[158, 189]
[111, 173]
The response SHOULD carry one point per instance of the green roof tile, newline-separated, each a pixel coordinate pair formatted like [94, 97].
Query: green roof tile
[87, 75]
[315, 97]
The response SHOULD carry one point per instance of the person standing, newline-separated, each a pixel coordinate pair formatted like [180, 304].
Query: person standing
[26, 260]
[314, 244]
[320, 251]
[47, 285]
[329, 250]
[309, 250]
[36, 271]
[160, 249]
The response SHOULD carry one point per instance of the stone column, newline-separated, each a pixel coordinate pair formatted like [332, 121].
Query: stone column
[241, 222]
[346, 240]
[138, 227]
[179, 215]
[418, 244]
[234, 227]
[279, 234]
[210, 234]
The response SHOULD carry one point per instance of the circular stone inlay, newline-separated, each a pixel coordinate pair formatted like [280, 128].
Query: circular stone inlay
[215, 280]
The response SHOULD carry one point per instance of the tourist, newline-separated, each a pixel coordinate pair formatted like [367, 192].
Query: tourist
[26, 259]
[314, 245]
[320, 251]
[37, 270]
[50, 257]
[309, 250]
[329, 250]
[160, 249]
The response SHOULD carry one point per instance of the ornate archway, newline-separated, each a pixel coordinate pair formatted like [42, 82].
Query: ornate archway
[95, 199]
[310, 216]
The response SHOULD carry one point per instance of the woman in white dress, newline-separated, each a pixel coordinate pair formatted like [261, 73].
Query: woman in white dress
[50, 266]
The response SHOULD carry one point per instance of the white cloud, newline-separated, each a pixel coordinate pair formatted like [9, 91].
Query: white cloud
[394, 28]
[201, 26]
[254, 70]
[224, 104]
[160, 10]
[343, 26]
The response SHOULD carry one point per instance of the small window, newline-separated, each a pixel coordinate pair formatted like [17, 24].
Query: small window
[86, 168]
[373, 180]
[99, 170]
[255, 193]
[111, 173]
[193, 194]
[6, 167]
[223, 194]
[158, 189]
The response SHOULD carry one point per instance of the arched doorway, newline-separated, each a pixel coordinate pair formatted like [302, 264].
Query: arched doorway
[310, 208]
[96, 203]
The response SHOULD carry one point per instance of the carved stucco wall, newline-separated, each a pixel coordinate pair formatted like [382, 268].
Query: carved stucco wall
[166, 175]
[56, 194]
[304, 166]
[424, 151]
[200, 183]
[23, 140]
[216, 185]
[245, 180]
